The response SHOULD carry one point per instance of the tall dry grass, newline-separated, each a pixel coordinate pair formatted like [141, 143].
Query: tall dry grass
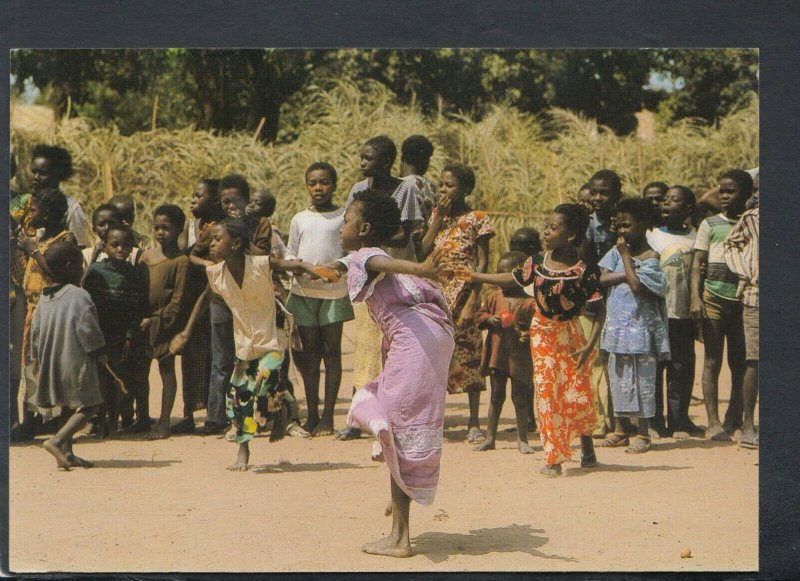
[524, 164]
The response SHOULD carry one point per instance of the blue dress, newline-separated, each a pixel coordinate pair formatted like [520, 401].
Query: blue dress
[635, 336]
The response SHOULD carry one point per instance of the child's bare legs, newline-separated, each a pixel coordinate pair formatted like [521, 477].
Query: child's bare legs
[750, 396]
[712, 340]
[166, 367]
[332, 357]
[519, 397]
[308, 361]
[242, 459]
[72, 425]
[496, 400]
[737, 364]
[397, 544]
[474, 433]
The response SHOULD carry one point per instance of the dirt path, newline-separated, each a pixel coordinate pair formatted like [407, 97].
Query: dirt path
[309, 505]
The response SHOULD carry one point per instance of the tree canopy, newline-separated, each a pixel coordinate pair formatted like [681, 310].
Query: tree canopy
[232, 90]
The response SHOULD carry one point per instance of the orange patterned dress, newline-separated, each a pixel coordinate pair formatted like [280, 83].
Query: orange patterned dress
[462, 233]
[564, 397]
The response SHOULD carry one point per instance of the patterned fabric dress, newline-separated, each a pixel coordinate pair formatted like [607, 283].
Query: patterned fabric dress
[563, 391]
[463, 232]
[404, 406]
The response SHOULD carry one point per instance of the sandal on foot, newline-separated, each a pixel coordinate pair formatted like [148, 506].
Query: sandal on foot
[749, 442]
[551, 470]
[613, 440]
[296, 431]
[476, 437]
[639, 445]
[348, 434]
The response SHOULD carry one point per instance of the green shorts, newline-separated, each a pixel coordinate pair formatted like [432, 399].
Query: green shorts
[311, 312]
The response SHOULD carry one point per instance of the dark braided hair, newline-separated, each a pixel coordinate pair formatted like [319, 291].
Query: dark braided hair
[381, 213]
[576, 219]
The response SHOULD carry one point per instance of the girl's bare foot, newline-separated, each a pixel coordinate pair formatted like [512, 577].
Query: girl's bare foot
[241, 460]
[388, 547]
[58, 453]
[551, 470]
[486, 445]
[323, 428]
[77, 462]
[159, 432]
[524, 447]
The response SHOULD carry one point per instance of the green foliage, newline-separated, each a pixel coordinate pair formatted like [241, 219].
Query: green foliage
[525, 164]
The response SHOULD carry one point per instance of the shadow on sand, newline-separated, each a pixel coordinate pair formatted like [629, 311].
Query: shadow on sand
[510, 539]
[307, 467]
[134, 463]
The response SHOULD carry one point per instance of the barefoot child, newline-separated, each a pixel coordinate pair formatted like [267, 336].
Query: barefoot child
[167, 267]
[635, 334]
[404, 406]
[45, 214]
[466, 233]
[245, 284]
[319, 308]
[66, 341]
[674, 242]
[714, 301]
[119, 291]
[507, 315]
[561, 285]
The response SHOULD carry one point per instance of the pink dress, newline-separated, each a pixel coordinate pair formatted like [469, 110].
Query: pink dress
[404, 406]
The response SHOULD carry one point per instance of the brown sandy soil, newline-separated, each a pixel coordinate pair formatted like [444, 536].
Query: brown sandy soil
[309, 505]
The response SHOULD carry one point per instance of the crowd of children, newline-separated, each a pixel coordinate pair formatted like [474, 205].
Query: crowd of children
[624, 287]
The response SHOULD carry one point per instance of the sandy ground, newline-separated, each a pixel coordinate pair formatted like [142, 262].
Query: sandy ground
[309, 505]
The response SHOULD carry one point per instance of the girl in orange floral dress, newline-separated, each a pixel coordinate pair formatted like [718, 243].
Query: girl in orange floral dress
[464, 233]
[561, 285]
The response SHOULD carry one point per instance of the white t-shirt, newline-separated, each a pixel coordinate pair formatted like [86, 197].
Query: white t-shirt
[314, 238]
[676, 262]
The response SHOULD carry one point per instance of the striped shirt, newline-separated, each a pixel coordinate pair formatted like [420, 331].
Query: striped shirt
[741, 255]
[720, 280]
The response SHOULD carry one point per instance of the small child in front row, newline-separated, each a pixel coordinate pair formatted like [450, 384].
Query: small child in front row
[245, 284]
[507, 315]
[561, 284]
[635, 335]
[66, 342]
[119, 291]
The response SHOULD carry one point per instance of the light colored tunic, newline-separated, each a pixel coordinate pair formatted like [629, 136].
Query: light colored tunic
[404, 406]
[253, 306]
[65, 333]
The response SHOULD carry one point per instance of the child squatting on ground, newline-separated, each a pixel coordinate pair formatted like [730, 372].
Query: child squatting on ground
[561, 284]
[66, 342]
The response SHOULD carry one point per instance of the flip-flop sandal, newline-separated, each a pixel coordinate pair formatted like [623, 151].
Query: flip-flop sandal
[348, 434]
[639, 445]
[613, 441]
[476, 437]
[749, 442]
[295, 431]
